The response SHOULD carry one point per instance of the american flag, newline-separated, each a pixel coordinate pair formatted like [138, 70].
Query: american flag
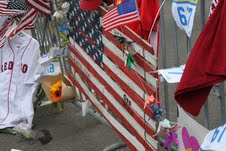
[27, 22]
[125, 12]
[30, 8]
[12, 8]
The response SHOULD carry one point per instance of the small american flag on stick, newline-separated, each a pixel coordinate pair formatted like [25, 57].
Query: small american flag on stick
[123, 13]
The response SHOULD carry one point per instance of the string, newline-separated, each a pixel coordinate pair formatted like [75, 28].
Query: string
[156, 16]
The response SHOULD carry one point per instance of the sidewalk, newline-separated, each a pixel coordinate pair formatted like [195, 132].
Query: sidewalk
[70, 132]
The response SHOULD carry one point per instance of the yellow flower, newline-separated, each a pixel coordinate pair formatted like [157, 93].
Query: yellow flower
[56, 91]
[56, 86]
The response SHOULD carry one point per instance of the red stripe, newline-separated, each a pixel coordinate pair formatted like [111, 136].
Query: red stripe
[130, 145]
[119, 115]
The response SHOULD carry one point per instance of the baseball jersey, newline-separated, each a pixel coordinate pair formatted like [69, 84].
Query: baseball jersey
[19, 75]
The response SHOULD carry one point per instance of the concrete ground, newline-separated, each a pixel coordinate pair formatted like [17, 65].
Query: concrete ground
[70, 132]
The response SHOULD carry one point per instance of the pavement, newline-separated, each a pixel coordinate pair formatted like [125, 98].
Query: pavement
[70, 132]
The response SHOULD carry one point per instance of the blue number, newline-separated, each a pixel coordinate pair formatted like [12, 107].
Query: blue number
[181, 13]
[216, 132]
[219, 139]
[51, 68]
[182, 17]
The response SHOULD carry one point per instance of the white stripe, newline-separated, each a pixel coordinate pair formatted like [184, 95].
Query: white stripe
[111, 119]
[153, 81]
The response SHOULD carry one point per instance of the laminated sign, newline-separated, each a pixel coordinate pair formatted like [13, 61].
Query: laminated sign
[184, 13]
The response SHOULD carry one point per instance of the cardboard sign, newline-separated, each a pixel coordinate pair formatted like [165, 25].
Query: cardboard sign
[172, 75]
[192, 134]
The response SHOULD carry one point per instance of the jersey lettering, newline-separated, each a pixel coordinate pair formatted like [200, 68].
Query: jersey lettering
[24, 68]
[9, 66]
[5, 66]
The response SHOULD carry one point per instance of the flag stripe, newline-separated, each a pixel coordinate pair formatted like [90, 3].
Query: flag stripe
[118, 108]
[125, 135]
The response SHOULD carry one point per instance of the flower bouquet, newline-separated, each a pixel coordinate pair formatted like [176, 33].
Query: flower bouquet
[58, 88]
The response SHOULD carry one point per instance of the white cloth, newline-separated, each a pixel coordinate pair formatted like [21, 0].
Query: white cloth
[18, 81]
[184, 13]
[215, 139]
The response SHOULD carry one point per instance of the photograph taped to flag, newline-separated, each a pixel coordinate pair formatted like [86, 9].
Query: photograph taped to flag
[184, 13]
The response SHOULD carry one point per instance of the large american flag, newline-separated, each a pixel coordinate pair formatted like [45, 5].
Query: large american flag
[123, 91]
[123, 13]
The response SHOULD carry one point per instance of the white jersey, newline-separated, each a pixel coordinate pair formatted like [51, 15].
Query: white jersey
[18, 81]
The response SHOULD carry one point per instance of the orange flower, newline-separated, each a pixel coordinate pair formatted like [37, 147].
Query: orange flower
[56, 91]
[117, 2]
